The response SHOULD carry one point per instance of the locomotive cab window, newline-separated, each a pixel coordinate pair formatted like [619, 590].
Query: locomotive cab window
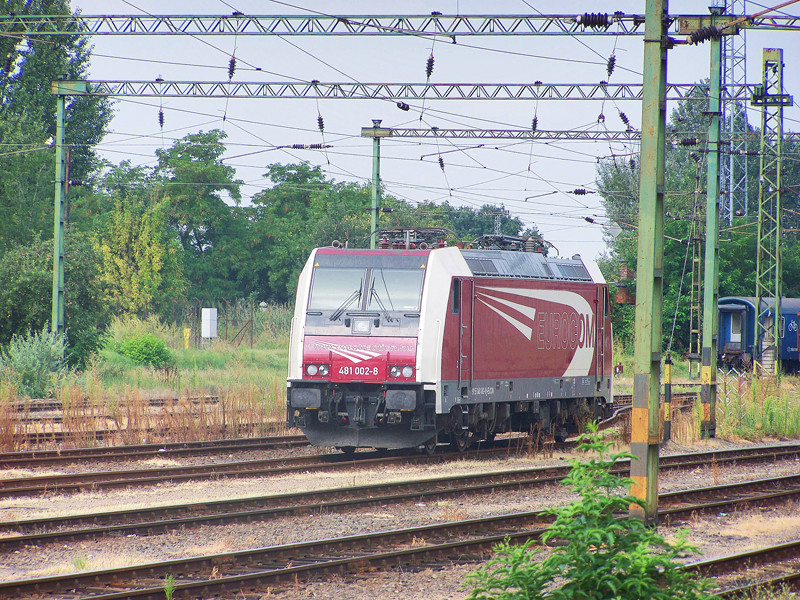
[335, 289]
[395, 289]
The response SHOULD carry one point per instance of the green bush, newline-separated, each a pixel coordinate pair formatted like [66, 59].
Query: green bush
[599, 554]
[35, 363]
[146, 349]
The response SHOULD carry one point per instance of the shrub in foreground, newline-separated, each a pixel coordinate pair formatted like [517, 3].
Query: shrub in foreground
[35, 363]
[599, 555]
[146, 349]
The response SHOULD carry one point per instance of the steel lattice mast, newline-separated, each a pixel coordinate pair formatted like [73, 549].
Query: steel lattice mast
[769, 330]
[733, 168]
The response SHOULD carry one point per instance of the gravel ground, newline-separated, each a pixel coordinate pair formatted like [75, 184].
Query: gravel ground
[714, 536]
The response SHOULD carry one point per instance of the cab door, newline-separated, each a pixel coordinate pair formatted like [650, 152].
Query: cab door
[466, 337]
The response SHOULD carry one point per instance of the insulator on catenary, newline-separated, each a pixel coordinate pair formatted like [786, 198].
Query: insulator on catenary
[534, 123]
[231, 67]
[704, 33]
[441, 163]
[632, 164]
[429, 66]
[321, 123]
[624, 118]
[612, 62]
[579, 191]
[589, 219]
[308, 146]
[161, 119]
[689, 141]
[695, 156]
[403, 106]
[9, 63]
[601, 118]
[593, 19]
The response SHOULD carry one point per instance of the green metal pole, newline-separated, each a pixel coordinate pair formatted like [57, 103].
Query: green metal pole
[57, 317]
[376, 132]
[376, 175]
[649, 267]
[708, 369]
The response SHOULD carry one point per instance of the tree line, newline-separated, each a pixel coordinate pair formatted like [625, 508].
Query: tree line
[684, 222]
[156, 240]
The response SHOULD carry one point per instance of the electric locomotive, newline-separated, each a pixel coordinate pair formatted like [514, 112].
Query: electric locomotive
[418, 343]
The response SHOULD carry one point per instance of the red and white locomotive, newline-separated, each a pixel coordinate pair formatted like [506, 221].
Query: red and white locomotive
[411, 345]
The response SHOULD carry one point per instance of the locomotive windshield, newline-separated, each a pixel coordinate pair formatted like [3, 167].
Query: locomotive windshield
[372, 289]
[395, 289]
[335, 289]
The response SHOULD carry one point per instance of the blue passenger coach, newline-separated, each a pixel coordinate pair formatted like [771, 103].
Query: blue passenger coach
[737, 331]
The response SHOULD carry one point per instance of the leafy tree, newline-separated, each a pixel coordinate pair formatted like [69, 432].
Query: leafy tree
[212, 232]
[26, 293]
[599, 554]
[684, 205]
[285, 219]
[27, 120]
[141, 261]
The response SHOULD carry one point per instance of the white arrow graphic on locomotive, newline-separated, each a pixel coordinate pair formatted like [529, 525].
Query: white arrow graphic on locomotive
[584, 346]
[355, 356]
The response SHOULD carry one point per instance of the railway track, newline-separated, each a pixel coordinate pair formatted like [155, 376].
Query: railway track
[746, 573]
[39, 458]
[147, 521]
[50, 404]
[74, 482]
[460, 541]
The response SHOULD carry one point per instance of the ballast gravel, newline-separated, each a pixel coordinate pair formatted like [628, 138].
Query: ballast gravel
[713, 535]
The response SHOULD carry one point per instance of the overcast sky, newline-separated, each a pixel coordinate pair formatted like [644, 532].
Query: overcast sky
[499, 172]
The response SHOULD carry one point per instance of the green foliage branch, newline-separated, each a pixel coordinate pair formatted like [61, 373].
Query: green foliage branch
[599, 554]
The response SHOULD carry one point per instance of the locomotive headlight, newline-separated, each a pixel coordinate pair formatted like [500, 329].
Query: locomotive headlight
[394, 371]
[407, 371]
[323, 370]
[312, 370]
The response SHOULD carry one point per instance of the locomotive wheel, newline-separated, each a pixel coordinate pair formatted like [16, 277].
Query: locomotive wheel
[460, 440]
[430, 446]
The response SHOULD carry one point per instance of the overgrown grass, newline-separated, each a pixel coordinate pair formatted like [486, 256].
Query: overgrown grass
[223, 390]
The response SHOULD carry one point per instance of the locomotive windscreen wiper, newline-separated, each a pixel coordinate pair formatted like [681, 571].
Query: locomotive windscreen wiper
[374, 294]
[344, 306]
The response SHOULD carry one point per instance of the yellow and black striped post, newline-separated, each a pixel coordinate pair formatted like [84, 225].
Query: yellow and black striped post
[667, 398]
